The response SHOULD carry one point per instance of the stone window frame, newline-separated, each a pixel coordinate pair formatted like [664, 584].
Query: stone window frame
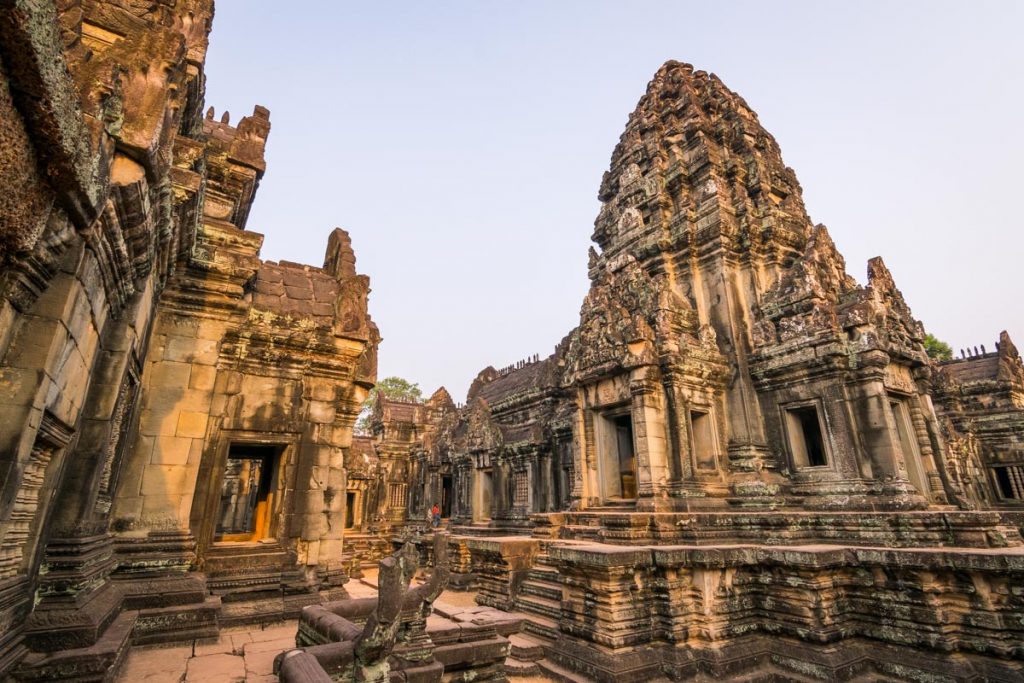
[899, 403]
[997, 488]
[823, 426]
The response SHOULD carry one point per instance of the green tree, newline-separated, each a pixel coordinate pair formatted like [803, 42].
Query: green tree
[937, 349]
[391, 387]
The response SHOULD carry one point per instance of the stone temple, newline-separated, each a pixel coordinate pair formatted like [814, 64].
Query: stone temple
[740, 465]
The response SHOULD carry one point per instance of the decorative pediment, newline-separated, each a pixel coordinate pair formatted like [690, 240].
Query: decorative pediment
[804, 302]
[626, 320]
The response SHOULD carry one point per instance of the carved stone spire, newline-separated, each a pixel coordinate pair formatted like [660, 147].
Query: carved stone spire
[695, 165]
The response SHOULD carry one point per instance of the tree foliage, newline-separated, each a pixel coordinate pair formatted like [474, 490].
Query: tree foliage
[937, 349]
[391, 387]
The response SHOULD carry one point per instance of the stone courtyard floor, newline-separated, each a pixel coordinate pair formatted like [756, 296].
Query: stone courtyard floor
[245, 653]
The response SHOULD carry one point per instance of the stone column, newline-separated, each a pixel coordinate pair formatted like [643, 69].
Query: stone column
[924, 444]
[648, 414]
[680, 457]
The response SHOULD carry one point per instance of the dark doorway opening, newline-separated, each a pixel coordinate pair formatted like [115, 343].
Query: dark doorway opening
[350, 509]
[627, 456]
[446, 496]
[247, 493]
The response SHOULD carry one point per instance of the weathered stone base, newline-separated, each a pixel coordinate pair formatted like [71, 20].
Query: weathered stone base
[15, 605]
[475, 661]
[98, 662]
[258, 585]
[266, 610]
[72, 623]
[142, 592]
[768, 658]
[178, 623]
[462, 582]
[366, 550]
[501, 564]
[823, 611]
[921, 529]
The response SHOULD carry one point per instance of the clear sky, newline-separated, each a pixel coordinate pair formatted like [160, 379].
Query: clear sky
[462, 143]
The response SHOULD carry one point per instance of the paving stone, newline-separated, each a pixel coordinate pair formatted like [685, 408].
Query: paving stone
[218, 668]
[262, 663]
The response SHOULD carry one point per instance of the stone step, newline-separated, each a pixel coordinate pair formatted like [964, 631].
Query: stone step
[543, 589]
[768, 672]
[533, 604]
[544, 569]
[516, 667]
[526, 648]
[581, 532]
[543, 628]
[560, 673]
[544, 565]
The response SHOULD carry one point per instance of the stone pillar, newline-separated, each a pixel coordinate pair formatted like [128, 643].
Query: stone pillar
[586, 488]
[678, 428]
[649, 429]
[938, 492]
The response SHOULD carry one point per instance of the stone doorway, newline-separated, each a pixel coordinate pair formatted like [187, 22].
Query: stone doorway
[350, 509]
[617, 457]
[446, 496]
[483, 495]
[248, 493]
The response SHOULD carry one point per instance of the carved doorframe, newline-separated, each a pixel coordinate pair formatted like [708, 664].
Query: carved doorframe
[205, 504]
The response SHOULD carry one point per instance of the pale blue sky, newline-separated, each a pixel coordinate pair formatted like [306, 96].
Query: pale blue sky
[462, 144]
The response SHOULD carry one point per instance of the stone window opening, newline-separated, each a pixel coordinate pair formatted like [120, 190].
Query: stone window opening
[806, 440]
[248, 493]
[397, 493]
[520, 488]
[703, 443]
[1010, 482]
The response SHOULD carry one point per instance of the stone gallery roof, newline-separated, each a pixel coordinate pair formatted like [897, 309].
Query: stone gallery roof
[1002, 365]
[977, 369]
[529, 378]
[293, 289]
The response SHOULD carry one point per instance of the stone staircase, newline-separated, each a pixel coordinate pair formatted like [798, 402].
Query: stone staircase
[539, 601]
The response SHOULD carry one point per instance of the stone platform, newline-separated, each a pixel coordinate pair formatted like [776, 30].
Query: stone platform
[803, 611]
